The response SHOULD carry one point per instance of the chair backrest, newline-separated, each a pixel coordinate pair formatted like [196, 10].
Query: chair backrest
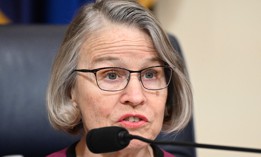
[26, 55]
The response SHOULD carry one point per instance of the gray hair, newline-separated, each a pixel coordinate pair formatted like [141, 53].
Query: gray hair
[66, 117]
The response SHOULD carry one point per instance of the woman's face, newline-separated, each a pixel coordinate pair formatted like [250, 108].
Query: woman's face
[135, 108]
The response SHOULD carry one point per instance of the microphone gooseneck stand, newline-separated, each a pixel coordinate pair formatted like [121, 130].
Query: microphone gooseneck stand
[199, 145]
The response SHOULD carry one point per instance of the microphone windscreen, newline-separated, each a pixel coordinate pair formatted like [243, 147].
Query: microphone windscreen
[107, 139]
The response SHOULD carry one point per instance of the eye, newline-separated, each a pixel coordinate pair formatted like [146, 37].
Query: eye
[112, 74]
[149, 74]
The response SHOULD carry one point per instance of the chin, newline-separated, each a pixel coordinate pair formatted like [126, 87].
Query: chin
[137, 144]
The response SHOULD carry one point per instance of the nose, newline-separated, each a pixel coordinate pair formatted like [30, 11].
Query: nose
[133, 94]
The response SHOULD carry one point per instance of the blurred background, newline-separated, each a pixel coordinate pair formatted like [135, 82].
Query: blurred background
[38, 12]
[221, 41]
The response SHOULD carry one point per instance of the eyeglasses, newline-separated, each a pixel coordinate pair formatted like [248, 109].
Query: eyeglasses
[115, 78]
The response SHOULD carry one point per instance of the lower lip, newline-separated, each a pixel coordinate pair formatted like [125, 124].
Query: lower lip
[132, 125]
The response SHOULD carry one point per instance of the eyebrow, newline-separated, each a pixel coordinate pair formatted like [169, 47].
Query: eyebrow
[106, 58]
[110, 58]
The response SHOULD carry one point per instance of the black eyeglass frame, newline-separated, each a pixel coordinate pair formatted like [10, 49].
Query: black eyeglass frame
[94, 71]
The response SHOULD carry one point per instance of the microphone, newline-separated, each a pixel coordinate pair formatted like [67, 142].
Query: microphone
[107, 139]
[110, 139]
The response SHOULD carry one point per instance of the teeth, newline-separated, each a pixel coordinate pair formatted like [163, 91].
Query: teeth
[132, 119]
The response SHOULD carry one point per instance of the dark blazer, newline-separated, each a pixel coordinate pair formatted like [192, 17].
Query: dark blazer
[26, 55]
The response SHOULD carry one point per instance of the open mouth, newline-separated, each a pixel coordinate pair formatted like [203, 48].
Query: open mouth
[132, 119]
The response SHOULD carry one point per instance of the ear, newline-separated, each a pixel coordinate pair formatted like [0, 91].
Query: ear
[73, 97]
[167, 113]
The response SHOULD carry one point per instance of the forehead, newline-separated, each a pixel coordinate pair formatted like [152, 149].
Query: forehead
[116, 42]
[117, 34]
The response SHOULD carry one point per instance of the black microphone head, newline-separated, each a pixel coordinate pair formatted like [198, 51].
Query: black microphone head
[107, 139]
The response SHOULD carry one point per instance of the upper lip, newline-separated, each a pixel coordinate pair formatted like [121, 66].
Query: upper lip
[141, 117]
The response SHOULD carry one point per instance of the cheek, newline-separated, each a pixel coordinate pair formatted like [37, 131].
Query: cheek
[159, 108]
[95, 110]
[159, 115]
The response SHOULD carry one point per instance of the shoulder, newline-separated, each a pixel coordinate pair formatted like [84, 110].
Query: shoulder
[160, 152]
[61, 153]
[167, 154]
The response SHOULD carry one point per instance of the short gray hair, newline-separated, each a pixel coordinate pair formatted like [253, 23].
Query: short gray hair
[92, 17]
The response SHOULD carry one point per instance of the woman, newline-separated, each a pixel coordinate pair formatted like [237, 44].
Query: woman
[116, 67]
